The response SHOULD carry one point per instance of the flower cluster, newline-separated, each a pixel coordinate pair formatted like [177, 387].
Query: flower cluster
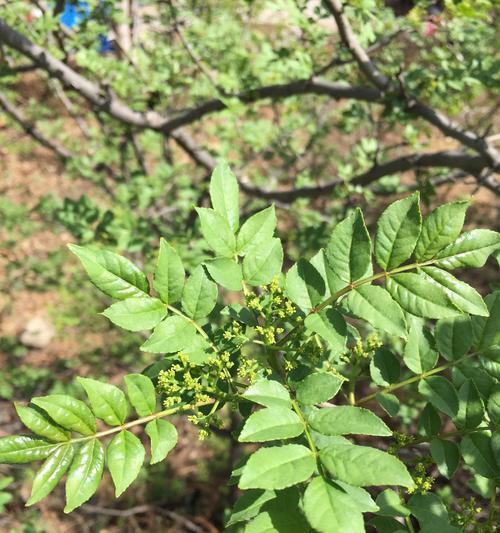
[465, 516]
[423, 482]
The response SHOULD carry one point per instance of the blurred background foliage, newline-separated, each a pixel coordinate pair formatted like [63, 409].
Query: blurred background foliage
[98, 179]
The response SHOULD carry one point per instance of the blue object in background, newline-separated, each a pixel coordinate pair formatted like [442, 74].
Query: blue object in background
[76, 12]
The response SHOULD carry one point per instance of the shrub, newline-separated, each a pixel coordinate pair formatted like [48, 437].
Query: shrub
[295, 358]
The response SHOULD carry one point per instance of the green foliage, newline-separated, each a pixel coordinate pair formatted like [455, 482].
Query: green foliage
[289, 346]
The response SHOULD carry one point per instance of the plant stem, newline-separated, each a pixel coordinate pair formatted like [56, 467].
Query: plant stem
[418, 377]
[139, 421]
[300, 414]
[355, 284]
[492, 509]
[449, 434]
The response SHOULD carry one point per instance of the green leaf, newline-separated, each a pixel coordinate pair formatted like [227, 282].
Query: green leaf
[446, 454]
[477, 453]
[419, 354]
[420, 297]
[493, 405]
[363, 466]
[51, 472]
[348, 253]
[278, 467]
[124, 457]
[429, 509]
[249, 504]
[108, 402]
[257, 230]
[359, 497]
[440, 393]
[224, 193]
[463, 296]
[163, 437]
[141, 393]
[384, 524]
[113, 274]
[271, 423]
[68, 412]
[84, 475]
[317, 388]
[429, 423]
[16, 449]
[217, 232]
[470, 406]
[375, 305]
[136, 314]
[39, 424]
[200, 294]
[440, 228]
[397, 232]
[329, 509]
[388, 402]
[331, 326]
[262, 263]
[471, 249]
[346, 420]
[384, 367]
[485, 330]
[453, 336]
[390, 504]
[226, 272]
[304, 285]
[281, 514]
[169, 274]
[268, 393]
[175, 333]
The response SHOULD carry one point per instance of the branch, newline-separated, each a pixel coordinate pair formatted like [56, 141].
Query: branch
[472, 164]
[440, 121]
[31, 130]
[61, 152]
[102, 98]
[350, 40]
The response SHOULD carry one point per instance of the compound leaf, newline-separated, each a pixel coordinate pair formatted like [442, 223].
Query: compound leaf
[51, 472]
[271, 423]
[277, 467]
[113, 274]
[346, 420]
[108, 402]
[263, 262]
[163, 436]
[217, 232]
[327, 508]
[224, 193]
[375, 305]
[15, 449]
[257, 230]
[440, 228]
[68, 412]
[268, 393]
[84, 475]
[141, 393]
[397, 232]
[34, 420]
[169, 274]
[364, 466]
[124, 457]
[136, 314]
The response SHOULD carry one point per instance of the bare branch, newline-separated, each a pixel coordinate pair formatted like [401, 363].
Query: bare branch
[31, 130]
[102, 98]
[443, 123]
[472, 164]
[359, 54]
